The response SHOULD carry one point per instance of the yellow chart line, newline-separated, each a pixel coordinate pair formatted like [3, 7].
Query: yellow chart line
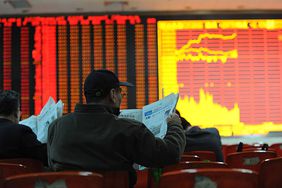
[209, 36]
[211, 56]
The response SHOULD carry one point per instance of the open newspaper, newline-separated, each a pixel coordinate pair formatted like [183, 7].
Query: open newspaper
[40, 124]
[154, 115]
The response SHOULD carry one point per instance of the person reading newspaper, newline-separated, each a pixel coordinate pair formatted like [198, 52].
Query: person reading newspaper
[17, 140]
[40, 124]
[94, 138]
[153, 116]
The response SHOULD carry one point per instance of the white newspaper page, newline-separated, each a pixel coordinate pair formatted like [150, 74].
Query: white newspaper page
[40, 124]
[30, 122]
[154, 115]
[48, 105]
[44, 120]
[60, 108]
[135, 114]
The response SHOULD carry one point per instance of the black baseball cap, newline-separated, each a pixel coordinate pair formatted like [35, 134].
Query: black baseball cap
[99, 83]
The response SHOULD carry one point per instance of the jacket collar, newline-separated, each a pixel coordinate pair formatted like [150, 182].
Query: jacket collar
[3, 120]
[92, 108]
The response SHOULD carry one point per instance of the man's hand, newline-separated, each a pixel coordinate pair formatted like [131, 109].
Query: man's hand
[173, 119]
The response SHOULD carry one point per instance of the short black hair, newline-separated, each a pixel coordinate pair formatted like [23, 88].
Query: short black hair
[9, 102]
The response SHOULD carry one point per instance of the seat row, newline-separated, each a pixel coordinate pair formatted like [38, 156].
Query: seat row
[268, 174]
[216, 173]
[247, 159]
[219, 175]
[30, 173]
[228, 149]
[252, 160]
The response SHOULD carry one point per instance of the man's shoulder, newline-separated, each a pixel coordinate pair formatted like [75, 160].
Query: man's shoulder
[198, 134]
[20, 128]
[202, 136]
[64, 117]
[212, 130]
[129, 122]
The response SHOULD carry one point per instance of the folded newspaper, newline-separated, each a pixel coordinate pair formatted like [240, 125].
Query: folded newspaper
[153, 116]
[40, 124]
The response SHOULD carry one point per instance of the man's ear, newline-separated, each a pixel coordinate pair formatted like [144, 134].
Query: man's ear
[113, 95]
[15, 117]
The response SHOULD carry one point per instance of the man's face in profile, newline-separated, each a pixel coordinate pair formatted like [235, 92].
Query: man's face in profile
[116, 97]
[120, 95]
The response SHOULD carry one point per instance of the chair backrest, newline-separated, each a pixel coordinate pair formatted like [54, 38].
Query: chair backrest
[270, 175]
[248, 159]
[59, 179]
[224, 150]
[219, 178]
[194, 165]
[7, 169]
[204, 155]
[115, 179]
[278, 148]
[142, 178]
[233, 148]
[186, 165]
[32, 164]
[189, 158]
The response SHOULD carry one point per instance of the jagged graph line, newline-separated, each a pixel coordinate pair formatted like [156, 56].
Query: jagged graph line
[206, 54]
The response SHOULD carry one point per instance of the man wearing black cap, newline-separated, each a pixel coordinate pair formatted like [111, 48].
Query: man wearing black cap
[94, 138]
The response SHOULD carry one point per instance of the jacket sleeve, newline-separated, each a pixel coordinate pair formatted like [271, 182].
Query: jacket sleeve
[50, 141]
[150, 151]
[31, 147]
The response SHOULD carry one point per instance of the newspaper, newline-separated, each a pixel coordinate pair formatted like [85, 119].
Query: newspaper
[40, 124]
[154, 115]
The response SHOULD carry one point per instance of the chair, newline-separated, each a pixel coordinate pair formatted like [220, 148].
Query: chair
[32, 164]
[142, 178]
[223, 149]
[234, 147]
[112, 179]
[220, 178]
[61, 179]
[278, 148]
[189, 158]
[204, 155]
[186, 165]
[231, 148]
[270, 175]
[249, 159]
[194, 165]
[7, 169]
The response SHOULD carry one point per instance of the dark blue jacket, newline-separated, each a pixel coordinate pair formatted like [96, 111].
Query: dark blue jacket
[18, 141]
[198, 139]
